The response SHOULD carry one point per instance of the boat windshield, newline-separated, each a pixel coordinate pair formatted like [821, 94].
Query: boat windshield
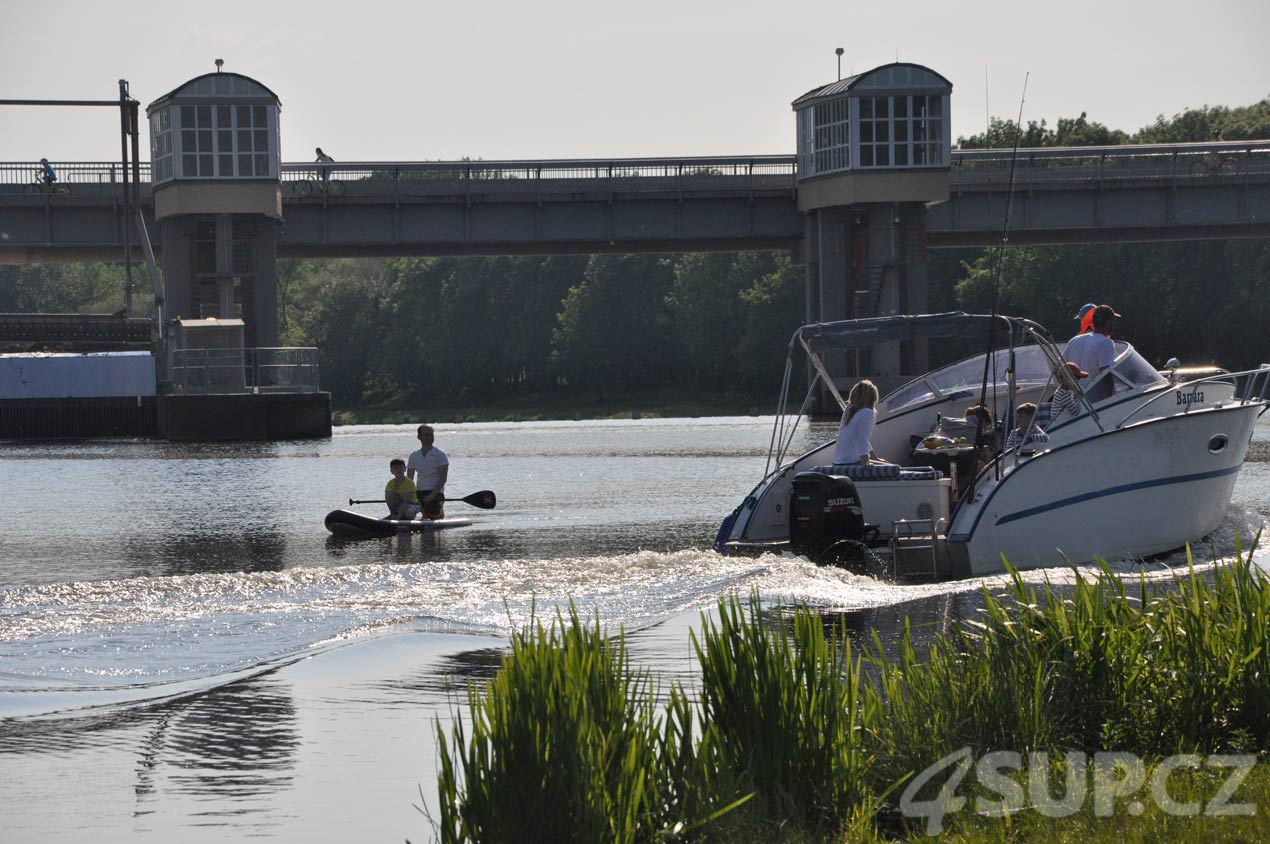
[966, 376]
[1130, 371]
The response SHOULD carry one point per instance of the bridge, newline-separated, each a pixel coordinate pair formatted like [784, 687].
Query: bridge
[1059, 195]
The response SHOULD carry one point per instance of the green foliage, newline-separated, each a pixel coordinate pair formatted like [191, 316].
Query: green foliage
[1070, 132]
[566, 745]
[774, 306]
[342, 316]
[87, 288]
[1201, 302]
[1242, 123]
[615, 325]
[1178, 667]
[784, 708]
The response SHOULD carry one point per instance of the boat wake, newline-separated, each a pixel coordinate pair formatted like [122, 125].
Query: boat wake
[72, 648]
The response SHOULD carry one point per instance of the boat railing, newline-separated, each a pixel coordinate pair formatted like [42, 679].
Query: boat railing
[1256, 386]
[245, 370]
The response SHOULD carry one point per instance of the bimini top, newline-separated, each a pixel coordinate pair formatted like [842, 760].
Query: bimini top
[900, 76]
[854, 333]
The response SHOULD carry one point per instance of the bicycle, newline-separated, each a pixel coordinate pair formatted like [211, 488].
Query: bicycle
[306, 187]
[38, 186]
[1213, 164]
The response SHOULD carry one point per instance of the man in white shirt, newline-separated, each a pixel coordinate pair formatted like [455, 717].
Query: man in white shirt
[433, 467]
[1095, 352]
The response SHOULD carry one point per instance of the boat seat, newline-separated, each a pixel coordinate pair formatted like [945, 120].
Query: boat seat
[878, 472]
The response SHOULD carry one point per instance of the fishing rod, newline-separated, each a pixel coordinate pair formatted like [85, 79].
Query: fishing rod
[990, 362]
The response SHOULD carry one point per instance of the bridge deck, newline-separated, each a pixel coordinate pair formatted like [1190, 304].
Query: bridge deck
[502, 207]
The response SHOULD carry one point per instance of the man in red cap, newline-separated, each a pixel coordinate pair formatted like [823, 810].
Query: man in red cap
[1095, 353]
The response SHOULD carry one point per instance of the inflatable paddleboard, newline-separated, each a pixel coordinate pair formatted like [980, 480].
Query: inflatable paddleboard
[348, 523]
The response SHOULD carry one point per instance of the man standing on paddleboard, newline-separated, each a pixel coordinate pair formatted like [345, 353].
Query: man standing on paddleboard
[433, 467]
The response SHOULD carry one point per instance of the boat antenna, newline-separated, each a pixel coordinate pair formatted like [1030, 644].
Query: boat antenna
[990, 362]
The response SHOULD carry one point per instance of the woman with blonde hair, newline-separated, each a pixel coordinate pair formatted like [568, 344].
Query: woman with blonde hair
[856, 428]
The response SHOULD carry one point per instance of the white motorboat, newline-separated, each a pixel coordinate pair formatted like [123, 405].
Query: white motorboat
[1143, 470]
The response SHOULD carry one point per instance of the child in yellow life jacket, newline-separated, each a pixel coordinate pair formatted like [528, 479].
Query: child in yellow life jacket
[399, 494]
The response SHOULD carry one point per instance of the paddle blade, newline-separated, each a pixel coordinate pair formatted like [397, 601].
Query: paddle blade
[485, 499]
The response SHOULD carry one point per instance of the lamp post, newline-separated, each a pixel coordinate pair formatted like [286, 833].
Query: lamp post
[839, 53]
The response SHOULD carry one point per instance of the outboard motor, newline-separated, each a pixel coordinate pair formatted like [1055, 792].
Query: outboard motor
[824, 510]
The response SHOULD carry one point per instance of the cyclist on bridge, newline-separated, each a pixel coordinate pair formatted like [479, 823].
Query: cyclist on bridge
[46, 174]
[323, 158]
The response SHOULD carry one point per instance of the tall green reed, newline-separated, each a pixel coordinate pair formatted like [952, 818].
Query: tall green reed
[1170, 665]
[566, 745]
[785, 711]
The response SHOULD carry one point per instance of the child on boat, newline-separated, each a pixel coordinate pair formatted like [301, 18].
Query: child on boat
[1026, 433]
[1064, 400]
[399, 494]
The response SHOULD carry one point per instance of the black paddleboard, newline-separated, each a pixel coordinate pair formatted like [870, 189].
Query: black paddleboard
[348, 523]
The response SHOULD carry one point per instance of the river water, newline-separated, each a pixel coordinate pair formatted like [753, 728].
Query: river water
[187, 654]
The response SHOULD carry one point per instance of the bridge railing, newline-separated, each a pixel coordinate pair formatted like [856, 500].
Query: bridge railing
[1179, 163]
[765, 173]
[73, 172]
[1158, 162]
[246, 370]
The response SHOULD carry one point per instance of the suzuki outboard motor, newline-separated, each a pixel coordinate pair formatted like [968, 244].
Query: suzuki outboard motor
[824, 510]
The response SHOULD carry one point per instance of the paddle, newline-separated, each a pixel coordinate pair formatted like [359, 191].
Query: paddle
[485, 499]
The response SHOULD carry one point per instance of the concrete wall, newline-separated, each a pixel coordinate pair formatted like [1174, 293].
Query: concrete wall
[868, 187]
[45, 375]
[131, 416]
[242, 418]
[182, 198]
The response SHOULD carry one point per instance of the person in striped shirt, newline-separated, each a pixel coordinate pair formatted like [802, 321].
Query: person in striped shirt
[1064, 399]
[1026, 433]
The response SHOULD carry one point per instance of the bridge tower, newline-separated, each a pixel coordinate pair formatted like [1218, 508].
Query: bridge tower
[215, 162]
[215, 176]
[873, 150]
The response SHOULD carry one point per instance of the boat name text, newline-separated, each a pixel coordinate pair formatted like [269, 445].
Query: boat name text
[1190, 398]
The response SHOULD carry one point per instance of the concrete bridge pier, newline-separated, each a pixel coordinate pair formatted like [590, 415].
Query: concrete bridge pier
[868, 261]
[223, 266]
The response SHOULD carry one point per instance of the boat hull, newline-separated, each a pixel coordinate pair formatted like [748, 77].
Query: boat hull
[1144, 489]
[349, 523]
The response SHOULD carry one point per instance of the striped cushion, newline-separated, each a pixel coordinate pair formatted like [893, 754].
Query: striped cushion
[878, 472]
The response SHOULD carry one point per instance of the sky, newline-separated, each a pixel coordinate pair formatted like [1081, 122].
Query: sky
[379, 80]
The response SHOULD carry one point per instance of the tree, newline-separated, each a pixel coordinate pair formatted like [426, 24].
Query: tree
[614, 328]
[774, 306]
[1199, 124]
[344, 322]
[84, 288]
[707, 308]
[1070, 132]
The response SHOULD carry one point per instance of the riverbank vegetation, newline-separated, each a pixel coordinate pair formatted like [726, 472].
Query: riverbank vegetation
[566, 336]
[1003, 728]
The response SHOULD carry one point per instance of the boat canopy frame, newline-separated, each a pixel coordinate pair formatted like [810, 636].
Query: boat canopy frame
[816, 338]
